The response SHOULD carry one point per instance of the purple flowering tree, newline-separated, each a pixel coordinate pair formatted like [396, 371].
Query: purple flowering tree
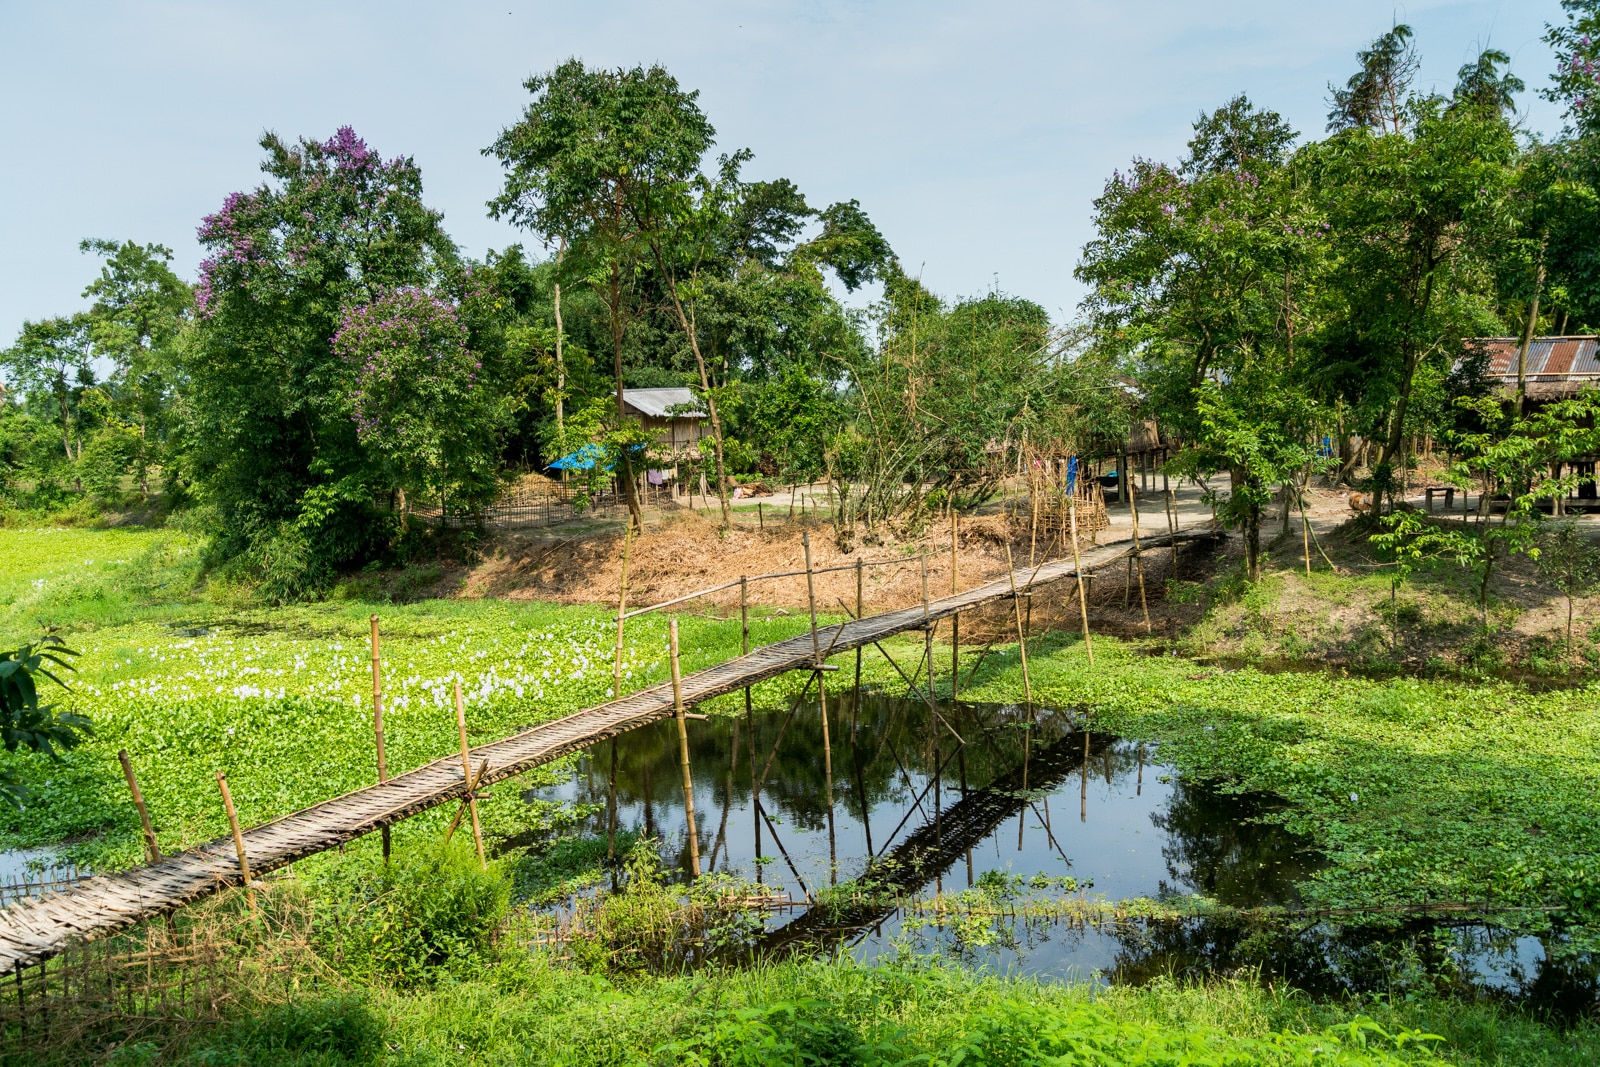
[303, 489]
[413, 390]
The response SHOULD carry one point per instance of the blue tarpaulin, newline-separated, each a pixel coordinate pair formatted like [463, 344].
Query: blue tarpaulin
[583, 459]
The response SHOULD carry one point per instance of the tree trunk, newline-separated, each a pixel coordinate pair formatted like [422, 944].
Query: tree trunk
[1527, 334]
[1403, 400]
[561, 368]
[705, 387]
[630, 492]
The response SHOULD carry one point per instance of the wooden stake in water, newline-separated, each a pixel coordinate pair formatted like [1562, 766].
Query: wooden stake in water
[955, 620]
[1022, 642]
[377, 721]
[744, 639]
[855, 703]
[151, 850]
[683, 752]
[238, 840]
[466, 776]
[622, 609]
[811, 596]
[611, 805]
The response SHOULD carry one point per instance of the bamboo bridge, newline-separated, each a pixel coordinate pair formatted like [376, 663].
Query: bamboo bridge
[32, 931]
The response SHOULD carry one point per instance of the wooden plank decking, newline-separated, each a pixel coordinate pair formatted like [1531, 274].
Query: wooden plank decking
[34, 930]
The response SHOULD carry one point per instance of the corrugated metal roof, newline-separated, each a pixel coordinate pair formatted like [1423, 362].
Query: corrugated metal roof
[1550, 359]
[658, 403]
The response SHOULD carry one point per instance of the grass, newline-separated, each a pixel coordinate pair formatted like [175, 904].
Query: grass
[280, 699]
[1442, 788]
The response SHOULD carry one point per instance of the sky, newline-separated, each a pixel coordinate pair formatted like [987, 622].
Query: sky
[976, 135]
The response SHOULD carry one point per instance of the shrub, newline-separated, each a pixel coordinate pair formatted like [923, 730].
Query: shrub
[407, 920]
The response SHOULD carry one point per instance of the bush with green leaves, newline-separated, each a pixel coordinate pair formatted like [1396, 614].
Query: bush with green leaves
[425, 912]
[24, 721]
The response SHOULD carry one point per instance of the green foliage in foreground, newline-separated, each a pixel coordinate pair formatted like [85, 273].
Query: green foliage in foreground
[526, 1009]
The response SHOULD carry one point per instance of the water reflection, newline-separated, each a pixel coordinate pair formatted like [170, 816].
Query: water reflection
[974, 796]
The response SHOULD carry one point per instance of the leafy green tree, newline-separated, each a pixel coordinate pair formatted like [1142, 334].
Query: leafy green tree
[52, 358]
[1413, 217]
[139, 307]
[1569, 561]
[1481, 85]
[589, 164]
[1376, 96]
[276, 445]
[415, 393]
[1201, 273]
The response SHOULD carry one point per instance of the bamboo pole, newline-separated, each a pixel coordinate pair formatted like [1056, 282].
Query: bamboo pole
[151, 850]
[811, 597]
[611, 805]
[1133, 507]
[855, 707]
[683, 752]
[1077, 570]
[622, 614]
[1022, 643]
[955, 620]
[377, 722]
[238, 841]
[466, 776]
[1305, 530]
[461, 809]
[1172, 527]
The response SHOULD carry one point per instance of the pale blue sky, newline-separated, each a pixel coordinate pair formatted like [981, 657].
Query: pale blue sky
[975, 135]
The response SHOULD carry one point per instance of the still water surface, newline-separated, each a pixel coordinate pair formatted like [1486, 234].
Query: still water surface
[981, 793]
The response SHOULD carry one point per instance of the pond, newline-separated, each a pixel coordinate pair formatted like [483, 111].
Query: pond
[1030, 823]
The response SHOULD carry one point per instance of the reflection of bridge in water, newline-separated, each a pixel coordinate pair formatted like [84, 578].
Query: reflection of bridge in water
[35, 930]
[928, 852]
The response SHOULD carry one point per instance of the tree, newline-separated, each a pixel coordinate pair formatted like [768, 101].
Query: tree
[52, 357]
[1201, 274]
[26, 722]
[597, 160]
[1569, 561]
[274, 436]
[1481, 85]
[139, 307]
[414, 392]
[1238, 136]
[1413, 219]
[1375, 97]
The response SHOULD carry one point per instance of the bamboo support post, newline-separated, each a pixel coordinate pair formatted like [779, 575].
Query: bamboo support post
[1305, 531]
[461, 809]
[1077, 570]
[611, 805]
[151, 850]
[683, 752]
[238, 841]
[955, 620]
[1022, 644]
[1138, 557]
[622, 614]
[377, 722]
[811, 597]
[466, 776]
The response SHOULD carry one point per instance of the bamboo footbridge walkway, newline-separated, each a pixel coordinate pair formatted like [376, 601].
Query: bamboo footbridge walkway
[35, 930]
